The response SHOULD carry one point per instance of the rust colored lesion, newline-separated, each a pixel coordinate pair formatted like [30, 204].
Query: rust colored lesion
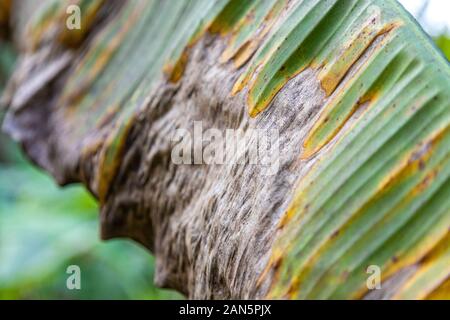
[101, 54]
[433, 257]
[111, 155]
[51, 23]
[442, 292]
[334, 72]
[242, 54]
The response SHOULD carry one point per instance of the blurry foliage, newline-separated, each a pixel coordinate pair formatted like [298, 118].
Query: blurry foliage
[443, 42]
[44, 229]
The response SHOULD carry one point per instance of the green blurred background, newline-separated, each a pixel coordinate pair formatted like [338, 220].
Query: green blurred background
[44, 229]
